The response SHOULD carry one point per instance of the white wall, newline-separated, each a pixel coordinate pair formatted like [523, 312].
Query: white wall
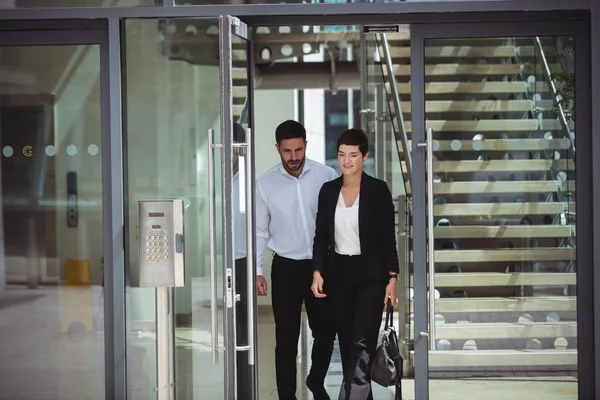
[314, 121]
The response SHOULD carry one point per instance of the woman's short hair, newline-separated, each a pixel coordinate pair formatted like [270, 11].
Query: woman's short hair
[354, 137]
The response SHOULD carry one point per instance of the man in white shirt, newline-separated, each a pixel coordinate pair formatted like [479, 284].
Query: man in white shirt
[286, 207]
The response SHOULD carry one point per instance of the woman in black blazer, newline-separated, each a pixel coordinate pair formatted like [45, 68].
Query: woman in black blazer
[355, 255]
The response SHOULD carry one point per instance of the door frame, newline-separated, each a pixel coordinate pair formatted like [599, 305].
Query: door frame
[230, 26]
[415, 13]
[580, 30]
[96, 32]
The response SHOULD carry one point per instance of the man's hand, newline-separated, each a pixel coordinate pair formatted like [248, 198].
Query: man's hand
[261, 286]
[317, 285]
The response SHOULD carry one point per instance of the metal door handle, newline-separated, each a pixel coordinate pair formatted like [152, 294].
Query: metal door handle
[430, 238]
[213, 252]
[249, 209]
[250, 274]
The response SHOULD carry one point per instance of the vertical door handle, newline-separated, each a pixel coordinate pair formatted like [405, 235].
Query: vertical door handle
[430, 237]
[214, 323]
[249, 209]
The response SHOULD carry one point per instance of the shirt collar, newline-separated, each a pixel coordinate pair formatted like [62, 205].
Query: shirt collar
[307, 167]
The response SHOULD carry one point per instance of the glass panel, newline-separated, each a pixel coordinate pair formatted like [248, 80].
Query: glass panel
[390, 160]
[504, 189]
[51, 291]
[386, 129]
[172, 100]
[241, 216]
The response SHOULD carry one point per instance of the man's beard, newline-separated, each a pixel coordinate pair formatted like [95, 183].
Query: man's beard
[294, 167]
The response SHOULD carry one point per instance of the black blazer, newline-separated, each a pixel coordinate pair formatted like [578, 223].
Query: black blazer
[375, 223]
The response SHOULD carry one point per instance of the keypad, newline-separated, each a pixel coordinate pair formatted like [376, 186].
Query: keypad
[157, 247]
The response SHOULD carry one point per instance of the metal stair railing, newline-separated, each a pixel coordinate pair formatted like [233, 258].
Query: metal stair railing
[562, 117]
[395, 97]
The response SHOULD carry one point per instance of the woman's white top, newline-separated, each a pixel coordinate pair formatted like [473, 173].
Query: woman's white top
[347, 239]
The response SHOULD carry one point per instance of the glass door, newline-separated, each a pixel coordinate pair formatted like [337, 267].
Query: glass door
[238, 221]
[52, 90]
[503, 293]
[182, 142]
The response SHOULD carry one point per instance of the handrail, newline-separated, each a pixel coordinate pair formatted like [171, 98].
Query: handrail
[562, 118]
[561, 112]
[244, 112]
[396, 99]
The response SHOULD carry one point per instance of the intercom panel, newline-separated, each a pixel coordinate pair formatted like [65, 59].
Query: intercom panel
[161, 243]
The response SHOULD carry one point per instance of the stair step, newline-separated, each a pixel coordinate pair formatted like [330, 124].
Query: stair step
[474, 70]
[466, 51]
[487, 125]
[498, 187]
[503, 304]
[465, 166]
[432, 88]
[505, 145]
[240, 92]
[475, 106]
[504, 255]
[490, 279]
[483, 331]
[494, 209]
[449, 359]
[502, 165]
[239, 73]
[507, 231]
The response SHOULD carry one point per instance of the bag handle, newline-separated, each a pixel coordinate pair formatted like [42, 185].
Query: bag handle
[389, 315]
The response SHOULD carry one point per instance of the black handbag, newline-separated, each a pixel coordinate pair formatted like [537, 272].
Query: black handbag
[386, 366]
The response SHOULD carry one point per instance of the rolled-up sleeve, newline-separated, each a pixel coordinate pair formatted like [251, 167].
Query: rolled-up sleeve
[262, 228]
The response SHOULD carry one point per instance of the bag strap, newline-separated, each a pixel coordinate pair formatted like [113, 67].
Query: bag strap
[389, 315]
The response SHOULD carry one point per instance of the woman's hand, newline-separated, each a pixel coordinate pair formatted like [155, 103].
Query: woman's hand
[391, 291]
[317, 285]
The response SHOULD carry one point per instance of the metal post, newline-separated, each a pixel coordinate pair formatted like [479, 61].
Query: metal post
[164, 345]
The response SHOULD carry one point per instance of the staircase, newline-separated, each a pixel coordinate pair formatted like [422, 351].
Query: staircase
[504, 187]
[504, 193]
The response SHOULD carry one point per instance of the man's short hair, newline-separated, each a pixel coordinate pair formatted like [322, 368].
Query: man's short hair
[289, 129]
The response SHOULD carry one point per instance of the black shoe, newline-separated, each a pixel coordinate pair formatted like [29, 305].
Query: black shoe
[318, 393]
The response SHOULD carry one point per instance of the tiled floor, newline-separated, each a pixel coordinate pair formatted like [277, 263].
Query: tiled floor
[46, 355]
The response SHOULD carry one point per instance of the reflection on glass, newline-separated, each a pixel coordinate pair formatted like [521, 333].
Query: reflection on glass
[172, 100]
[51, 271]
[504, 231]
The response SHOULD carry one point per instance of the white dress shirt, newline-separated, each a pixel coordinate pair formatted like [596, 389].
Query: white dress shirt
[286, 210]
[347, 239]
[239, 221]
